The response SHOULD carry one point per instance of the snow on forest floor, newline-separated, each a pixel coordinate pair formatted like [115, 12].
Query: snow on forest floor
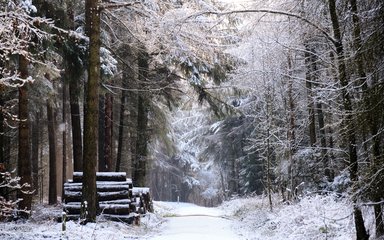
[190, 222]
[316, 217]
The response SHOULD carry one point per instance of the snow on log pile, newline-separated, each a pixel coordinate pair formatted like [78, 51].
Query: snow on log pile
[118, 199]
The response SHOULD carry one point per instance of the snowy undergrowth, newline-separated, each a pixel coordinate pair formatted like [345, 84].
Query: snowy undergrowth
[43, 225]
[313, 217]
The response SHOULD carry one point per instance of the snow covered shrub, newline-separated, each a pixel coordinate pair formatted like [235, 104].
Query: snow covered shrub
[8, 206]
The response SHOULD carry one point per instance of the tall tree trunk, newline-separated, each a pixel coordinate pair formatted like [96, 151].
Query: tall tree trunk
[89, 194]
[377, 195]
[108, 143]
[52, 195]
[357, 45]
[3, 166]
[349, 133]
[323, 142]
[122, 138]
[127, 110]
[73, 75]
[2, 130]
[24, 165]
[310, 102]
[101, 133]
[133, 104]
[372, 97]
[373, 124]
[64, 113]
[35, 152]
[105, 133]
[140, 171]
[311, 78]
[291, 135]
[77, 139]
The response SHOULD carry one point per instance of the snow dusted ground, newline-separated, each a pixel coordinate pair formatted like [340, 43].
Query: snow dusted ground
[43, 225]
[190, 222]
[316, 217]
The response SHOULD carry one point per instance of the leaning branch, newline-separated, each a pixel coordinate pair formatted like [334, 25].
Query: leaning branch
[108, 4]
[301, 18]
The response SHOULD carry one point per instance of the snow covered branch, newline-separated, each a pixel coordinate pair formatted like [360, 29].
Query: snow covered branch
[268, 11]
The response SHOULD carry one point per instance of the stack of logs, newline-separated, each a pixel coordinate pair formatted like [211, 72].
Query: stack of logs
[118, 199]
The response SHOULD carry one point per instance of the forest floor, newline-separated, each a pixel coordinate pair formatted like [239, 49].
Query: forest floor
[315, 217]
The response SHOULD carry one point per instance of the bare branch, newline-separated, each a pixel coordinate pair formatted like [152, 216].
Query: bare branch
[270, 11]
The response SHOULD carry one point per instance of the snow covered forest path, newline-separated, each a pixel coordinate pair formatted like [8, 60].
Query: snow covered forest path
[188, 221]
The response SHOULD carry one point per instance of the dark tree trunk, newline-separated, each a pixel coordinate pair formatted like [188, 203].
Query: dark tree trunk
[52, 195]
[372, 99]
[77, 139]
[24, 162]
[89, 194]
[124, 154]
[140, 165]
[323, 142]
[311, 62]
[309, 79]
[64, 113]
[105, 133]
[73, 74]
[122, 133]
[108, 143]
[101, 159]
[373, 124]
[291, 135]
[349, 131]
[357, 45]
[133, 104]
[140, 170]
[2, 131]
[35, 152]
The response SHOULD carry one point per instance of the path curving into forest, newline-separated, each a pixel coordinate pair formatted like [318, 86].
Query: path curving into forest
[190, 222]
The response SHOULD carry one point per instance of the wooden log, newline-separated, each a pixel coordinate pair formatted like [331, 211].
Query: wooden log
[102, 176]
[137, 191]
[117, 198]
[70, 196]
[126, 182]
[116, 209]
[118, 201]
[100, 187]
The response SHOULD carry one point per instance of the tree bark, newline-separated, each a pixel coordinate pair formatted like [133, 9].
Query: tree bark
[35, 152]
[2, 130]
[140, 165]
[373, 124]
[310, 102]
[73, 76]
[101, 133]
[64, 113]
[349, 133]
[140, 170]
[122, 134]
[105, 133]
[77, 139]
[291, 135]
[89, 194]
[24, 162]
[52, 195]
[108, 143]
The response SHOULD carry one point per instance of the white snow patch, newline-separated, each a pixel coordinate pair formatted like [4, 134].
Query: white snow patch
[313, 217]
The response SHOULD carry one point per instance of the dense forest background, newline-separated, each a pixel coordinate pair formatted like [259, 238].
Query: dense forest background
[200, 100]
